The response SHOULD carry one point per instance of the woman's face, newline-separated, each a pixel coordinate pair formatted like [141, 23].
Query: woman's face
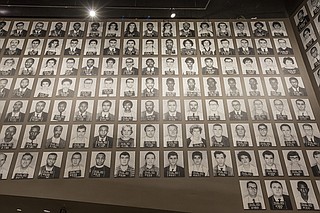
[45, 84]
[126, 131]
[50, 63]
[132, 26]
[150, 160]
[113, 26]
[9, 63]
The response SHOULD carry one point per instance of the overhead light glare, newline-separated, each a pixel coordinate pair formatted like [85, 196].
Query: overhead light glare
[92, 13]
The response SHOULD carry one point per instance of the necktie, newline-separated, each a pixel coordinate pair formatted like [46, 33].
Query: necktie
[253, 200]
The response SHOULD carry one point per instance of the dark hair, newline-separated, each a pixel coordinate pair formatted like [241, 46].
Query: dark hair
[245, 153]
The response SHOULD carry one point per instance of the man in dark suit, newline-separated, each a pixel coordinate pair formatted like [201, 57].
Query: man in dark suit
[99, 170]
[237, 113]
[129, 69]
[186, 31]
[58, 31]
[263, 47]
[295, 89]
[38, 115]
[16, 115]
[49, 170]
[172, 114]
[150, 91]
[103, 140]
[105, 114]
[149, 114]
[56, 142]
[316, 168]
[112, 48]
[65, 91]
[225, 48]
[70, 69]
[19, 31]
[13, 48]
[3, 32]
[23, 91]
[73, 49]
[278, 200]
[245, 49]
[284, 49]
[38, 30]
[90, 69]
[173, 170]
[221, 169]
[150, 69]
[76, 32]
[4, 92]
[310, 139]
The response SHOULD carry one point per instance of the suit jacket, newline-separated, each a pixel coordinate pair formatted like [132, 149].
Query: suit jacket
[249, 52]
[3, 33]
[21, 119]
[155, 116]
[177, 118]
[146, 93]
[301, 92]
[22, 34]
[62, 143]
[134, 70]
[269, 51]
[230, 52]
[315, 170]
[7, 51]
[96, 140]
[41, 34]
[109, 118]
[44, 117]
[69, 52]
[145, 70]
[70, 93]
[4, 93]
[72, 33]
[60, 33]
[94, 71]
[26, 94]
[233, 116]
[78, 117]
[74, 71]
[107, 51]
[55, 170]
[286, 199]
[316, 140]
[228, 168]
[179, 169]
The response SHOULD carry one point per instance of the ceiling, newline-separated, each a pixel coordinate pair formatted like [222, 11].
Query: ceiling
[150, 9]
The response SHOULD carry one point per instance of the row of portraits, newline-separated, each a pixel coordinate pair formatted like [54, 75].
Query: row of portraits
[76, 136]
[150, 165]
[206, 28]
[131, 47]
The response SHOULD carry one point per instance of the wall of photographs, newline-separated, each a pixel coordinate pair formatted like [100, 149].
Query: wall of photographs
[209, 105]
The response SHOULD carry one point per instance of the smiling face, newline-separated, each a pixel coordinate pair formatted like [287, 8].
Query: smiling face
[26, 161]
[100, 159]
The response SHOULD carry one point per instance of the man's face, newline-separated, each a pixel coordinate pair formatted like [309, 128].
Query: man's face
[17, 106]
[73, 44]
[263, 43]
[39, 26]
[14, 43]
[173, 159]
[308, 130]
[244, 160]
[278, 104]
[301, 105]
[93, 44]
[103, 131]
[252, 189]
[76, 26]
[51, 160]
[28, 63]
[33, 133]
[81, 132]
[197, 160]
[274, 84]
[57, 131]
[217, 131]
[173, 131]
[90, 63]
[26, 161]
[150, 27]
[294, 159]
[83, 107]
[276, 189]
[213, 106]
[269, 160]
[94, 27]
[236, 105]
[149, 106]
[317, 158]
[225, 44]
[149, 44]
[196, 133]
[106, 106]
[113, 43]
[58, 26]
[127, 107]
[211, 83]
[2, 159]
[172, 106]
[170, 63]
[220, 160]
[70, 63]
[87, 84]
[9, 62]
[169, 44]
[124, 160]
[130, 83]
[35, 44]
[40, 106]
[150, 63]
[282, 43]
[66, 85]
[186, 26]
[286, 131]
[100, 159]
[150, 84]
[130, 44]
[253, 83]
[3, 83]
[314, 52]
[263, 130]
[294, 83]
[20, 26]
[188, 44]
[126, 131]
[170, 85]
[240, 27]
[129, 63]
[75, 160]
[150, 132]
[303, 189]
[209, 63]
[193, 106]
[244, 44]
[258, 105]
[232, 83]
[191, 84]
[241, 131]
[10, 132]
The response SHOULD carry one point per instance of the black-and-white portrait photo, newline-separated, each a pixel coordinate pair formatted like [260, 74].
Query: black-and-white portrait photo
[44, 87]
[283, 46]
[314, 7]
[94, 29]
[191, 87]
[289, 65]
[39, 29]
[302, 109]
[108, 87]
[92, 46]
[269, 65]
[80, 136]
[5, 163]
[246, 163]
[14, 47]
[125, 164]
[304, 195]
[90, 66]
[9, 136]
[172, 134]
[170, 66]
[103, 136]
[129, 87]
[75, 165]
[128, 110]
[193, 110]
[198, 164]
[149, 164]
[56, 137]
[33, 137]
[169, 46]
[69, 66]
[274, 86]
[150, 66]
[295, 86]
[149, 135]
[264, 46]
[241, 135]
[20, 29]
[150, 46]
[28, 66]
[126, 137]
[16, 111]
[66, 87]
[301, 18]
[25, 165]
[241, 29]
[278, 195]
[173, 164]
[314, 160]
[168, 29]
[53, 47]
[237, 110]
[50, 166]
[259, 29]
[218, 134]
[110, 66]
[222, 163]
[223, 29]
[130, 66]
[130, 47]
[111, 47]
[270, 163]
[308, 36]
[251, 193]
[280, 109]
[253, 86]
[34, 47]
[170, 87]
[4, 28]
[87, 87]
[8, 66]
[258, 109]
[39, 111]
[189, 66]
[209, 66]
[205, 29]
[150, 110]
[58, 29]
[172, 110]
[76, 29]
[245, 46]
[229, 66]
[150, 29]
[49, 66]
[186, 29]
[212, 86]
[73, 47]
[113, 29]
[195, 135]
[233, 86]
[100, 165]
[188, 47]
[150, 87]
[5, 85]
[310, 134]
[264, 134]
[295, 163]
[249, 65]
[83, 110]
[314, 56]
[207, 47]
[215, 110]
[226, 47]
[132, 29]
[278, 28]
[287, 134]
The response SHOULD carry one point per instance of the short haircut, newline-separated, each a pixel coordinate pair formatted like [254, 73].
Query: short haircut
[149, 153]
[124, 154]
[66, 80]
[172, 153]
[187, 40]
[82, 127]
[251, 183]
[27, 154]
[219, 153]
[275, 182]
[149, 125]
[267, 152]
[197, 153]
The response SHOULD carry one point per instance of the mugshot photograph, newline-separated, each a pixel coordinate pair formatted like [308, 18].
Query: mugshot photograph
[16, 111]
[111, 47]
[207, 47]
[241, 29]
[218, 134]
[264, 46]
[132, 29]
[274, 86]
[301, 18]
[172, 110]
[226, 47]
[150, 66]
[44, 87]
[125, 164]
[149, 135]
[169, 46]
[278, 195]
[150, 46]
[264, 134]
[302, 109]
[39, 111]
[209, 66]
[280, 109]
[8, 66]
[191, 87]
[313, 56]
[20, 29]
[23, 88]
[270, 163]
[310, 134]
[229, 66]
[253, 86]
[283, 46]
[278, 28]
[289, 65]
[314, 160]
[83, 110]
[34, 47]
[215, 110]
[205, 29]
[222, 163]
[269, 65]
[5, 85]
[128, 110]
[258, 109]
[29, 66]
[212, 86]
[172, 135]
[113, 29]
[106, 110]
[131, 47]
[251, 193]
[295, 163]
[249, 66]
[92, 47]
[186, 29]
[49, 66]
[129, 87]
[103, 136]
[50, 166]
[53, 47]
[149, 164]
[245, 46]
[188, 47]
[189, 66]
[87, 87]
[241, 135]
[69, 66]
[170, 87]
[90, 66]
[308, 36]
[193, 110]
[170, 66]
[168, 29]
[314, 7]
[198, 164]
[195, 135]
[58, 29]
[75, 165]
[150, 87]
[126, 137]
[295, 86]
[39, 29]
[237, 110]
[76, 29]
[287, 134]
[9, 136]
[25, 165]
[80, 136]
[233, 87]
[100, 165]
[14, 47]
[4, 27]
[150, 29]
[56, 137]
[110, 66]
[173, 164]
[150, 110]
[5, 159]
[223, 29]
[73, 47]
[108, 87]
[94, 29]
[32, 138]
[66, 87]
[259, 29]
[130, 66]
[246, 163]
[304, 195]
